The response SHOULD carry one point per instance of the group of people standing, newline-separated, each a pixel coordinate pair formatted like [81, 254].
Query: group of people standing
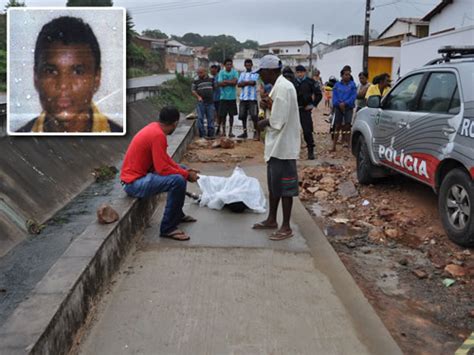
[217, 100]
[284, 97]
[347, 97]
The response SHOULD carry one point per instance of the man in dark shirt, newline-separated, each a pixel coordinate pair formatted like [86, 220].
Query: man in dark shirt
[148, 170]
[203, 90]
[305, 88]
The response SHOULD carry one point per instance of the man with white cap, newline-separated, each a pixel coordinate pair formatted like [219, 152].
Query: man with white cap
[282, 145]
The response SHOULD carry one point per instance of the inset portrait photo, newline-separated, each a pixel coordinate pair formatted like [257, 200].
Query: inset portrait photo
[66, 71]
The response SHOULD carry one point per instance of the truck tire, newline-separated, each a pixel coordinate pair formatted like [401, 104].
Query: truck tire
[456, 207]
[365, 168]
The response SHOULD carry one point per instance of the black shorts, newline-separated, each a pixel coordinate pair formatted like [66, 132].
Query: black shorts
[227, 107]
[282, 177]
[216, 105]
[248, 108]
[342, 118]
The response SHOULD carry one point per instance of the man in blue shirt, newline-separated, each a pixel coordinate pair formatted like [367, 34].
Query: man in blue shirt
[343, 99]
[227, 80]
[248, 99]
[215, 69]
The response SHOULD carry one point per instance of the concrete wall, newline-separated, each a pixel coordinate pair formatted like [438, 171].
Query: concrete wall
[41, 175]
[458, 14]
[331, 63]
[415, 54]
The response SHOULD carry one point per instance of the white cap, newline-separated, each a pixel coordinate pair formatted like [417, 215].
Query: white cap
[269, 61]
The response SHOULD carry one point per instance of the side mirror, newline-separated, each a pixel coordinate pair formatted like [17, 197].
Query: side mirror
[374, 101]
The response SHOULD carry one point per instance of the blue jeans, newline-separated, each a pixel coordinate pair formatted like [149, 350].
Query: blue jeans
[152, 184]
[208, 111]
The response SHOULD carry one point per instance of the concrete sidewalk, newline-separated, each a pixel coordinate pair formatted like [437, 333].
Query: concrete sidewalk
[230, 290]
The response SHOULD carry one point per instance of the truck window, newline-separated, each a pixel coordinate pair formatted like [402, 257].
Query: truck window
[403, 96]
[438, 93]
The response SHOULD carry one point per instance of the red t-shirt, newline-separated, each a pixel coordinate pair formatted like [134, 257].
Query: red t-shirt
[148, 153]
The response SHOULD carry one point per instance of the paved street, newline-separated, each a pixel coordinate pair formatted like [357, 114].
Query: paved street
[232, 291]
[152, 80]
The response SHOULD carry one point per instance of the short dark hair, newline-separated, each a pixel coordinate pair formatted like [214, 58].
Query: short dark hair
[227, 60]
[364, 73]
[381, 77]
[384, 77]
[215, 66]
[67, 30]
[346, 67]
[248, 61]
[169, 115]
[344, 70]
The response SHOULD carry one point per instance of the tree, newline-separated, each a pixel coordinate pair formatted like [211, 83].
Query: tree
[14, 3]
[89, 3]
[155, 34]
[250, 44]
[220, 51]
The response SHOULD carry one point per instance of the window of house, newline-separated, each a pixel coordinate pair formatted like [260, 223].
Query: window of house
[299, 51]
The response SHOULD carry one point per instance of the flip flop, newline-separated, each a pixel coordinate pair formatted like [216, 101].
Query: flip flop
[175, 235]
[188, 219]
[281, 235]
[261, 225]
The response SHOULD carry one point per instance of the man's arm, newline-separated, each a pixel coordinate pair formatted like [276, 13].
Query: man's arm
[353, 95]
[196, 95]
[194, 91]
[280, 110]
[162, 162]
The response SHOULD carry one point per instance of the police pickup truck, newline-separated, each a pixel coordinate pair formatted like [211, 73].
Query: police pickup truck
[424, 128]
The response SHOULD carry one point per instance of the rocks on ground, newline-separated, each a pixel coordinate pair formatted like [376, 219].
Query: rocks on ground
[106, 214]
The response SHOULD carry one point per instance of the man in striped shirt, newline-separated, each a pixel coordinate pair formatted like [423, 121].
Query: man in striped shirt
[248, 98]
[203, 90]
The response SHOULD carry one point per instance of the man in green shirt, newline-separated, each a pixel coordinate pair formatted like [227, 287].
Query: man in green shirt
[227, 81]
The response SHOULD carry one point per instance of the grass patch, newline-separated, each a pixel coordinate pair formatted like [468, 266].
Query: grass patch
[137, 72]
[104, 173]
[176, 92]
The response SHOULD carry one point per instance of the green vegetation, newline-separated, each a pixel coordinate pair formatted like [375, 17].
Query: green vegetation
[137, 72]
[221, 46]
[104, 173]
[176, 92]
[154, 34]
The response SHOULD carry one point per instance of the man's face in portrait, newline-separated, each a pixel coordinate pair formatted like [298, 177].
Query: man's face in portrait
[66, 80]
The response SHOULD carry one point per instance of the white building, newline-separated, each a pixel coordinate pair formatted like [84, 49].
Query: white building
[239, 58]
[406, 26]
[451, 24]
[291, 53]
[381, 60]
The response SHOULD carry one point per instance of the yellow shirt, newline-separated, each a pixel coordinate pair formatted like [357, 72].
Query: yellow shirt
[374, 90]
[99, 122]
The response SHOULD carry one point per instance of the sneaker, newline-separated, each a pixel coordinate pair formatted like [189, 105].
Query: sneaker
[243, 136]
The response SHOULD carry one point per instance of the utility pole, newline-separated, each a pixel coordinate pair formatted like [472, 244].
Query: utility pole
[365, 55]
[311, 52]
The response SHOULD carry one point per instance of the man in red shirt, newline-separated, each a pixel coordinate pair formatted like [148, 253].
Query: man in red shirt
[148, 170]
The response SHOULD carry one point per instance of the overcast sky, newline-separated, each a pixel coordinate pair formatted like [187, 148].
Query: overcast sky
[264, 20]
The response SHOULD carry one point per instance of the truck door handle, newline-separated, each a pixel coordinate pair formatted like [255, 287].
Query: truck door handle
[402, 124]
[448, 130]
